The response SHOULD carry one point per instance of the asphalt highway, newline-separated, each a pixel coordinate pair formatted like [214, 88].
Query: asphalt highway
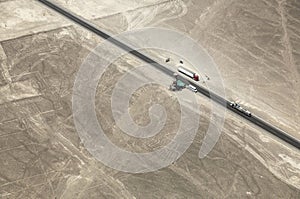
[213, 96]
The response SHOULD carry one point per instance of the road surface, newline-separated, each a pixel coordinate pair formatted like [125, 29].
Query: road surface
[254, 119]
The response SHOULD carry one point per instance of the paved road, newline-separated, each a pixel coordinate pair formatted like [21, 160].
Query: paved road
[254, 119]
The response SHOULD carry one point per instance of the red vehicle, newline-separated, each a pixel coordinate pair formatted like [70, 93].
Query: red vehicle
[188, 73]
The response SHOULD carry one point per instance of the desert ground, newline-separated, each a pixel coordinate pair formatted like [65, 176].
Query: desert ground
[255, 46]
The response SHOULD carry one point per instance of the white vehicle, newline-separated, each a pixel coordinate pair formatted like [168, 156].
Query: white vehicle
[192, 88]
[188, 73]
[241, 109]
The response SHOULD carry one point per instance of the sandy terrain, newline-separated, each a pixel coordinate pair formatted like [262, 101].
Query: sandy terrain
[254, 45]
